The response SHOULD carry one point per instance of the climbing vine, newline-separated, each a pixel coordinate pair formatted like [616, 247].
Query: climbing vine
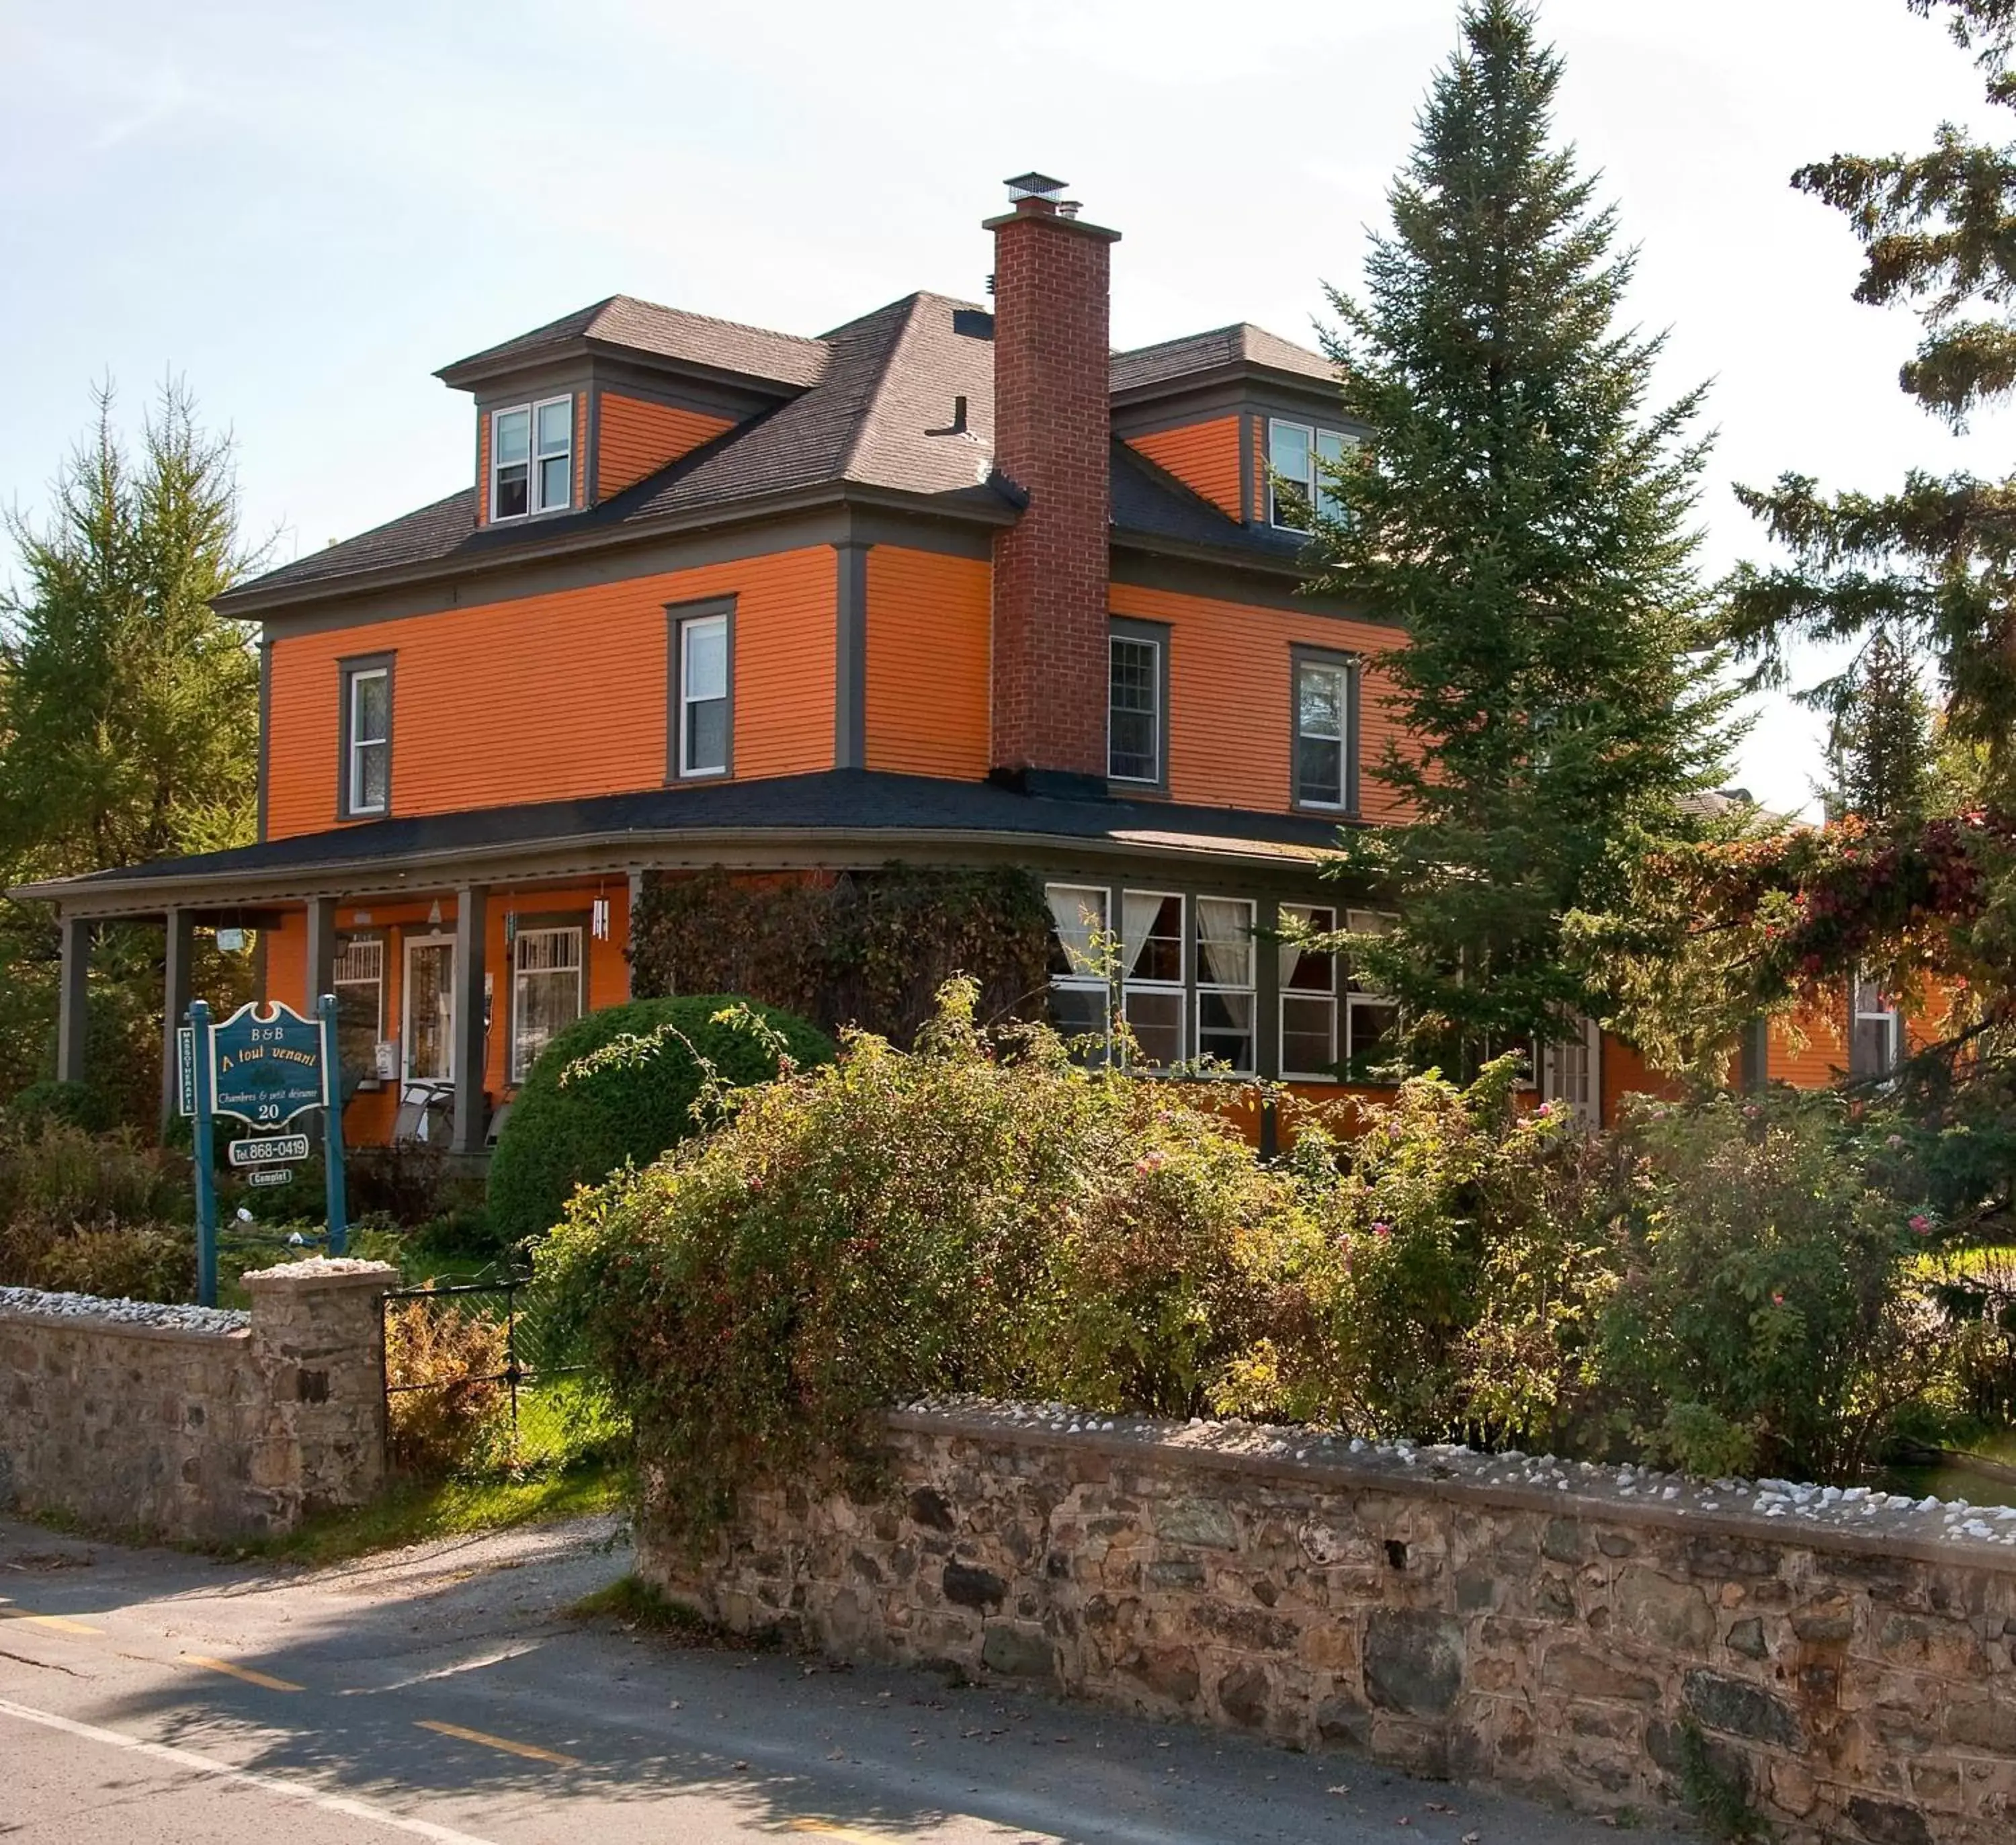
[866, 948]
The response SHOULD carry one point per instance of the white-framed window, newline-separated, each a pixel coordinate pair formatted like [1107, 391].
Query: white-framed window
[1571, 1073]
[1309, 1047]
[531, 459]
[1152, 983]
[1876, 1031]
[1081, 987]
[548, 991]
[367, 738]
[1224, 982]
[704, 668]
[1371, 1018]
[1323, 733]
[1134, 708]
[1296, 483]
[428, 1005]
[360, 1005]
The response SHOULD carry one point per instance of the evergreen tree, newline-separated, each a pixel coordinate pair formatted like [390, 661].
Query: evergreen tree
[129, 716]
[1880, 745]
[1515, 504]
[1934, 563]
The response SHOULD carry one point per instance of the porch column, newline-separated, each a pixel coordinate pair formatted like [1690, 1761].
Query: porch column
[71, 1034]
[320, 961]
[174, 1004]
[471, 1039]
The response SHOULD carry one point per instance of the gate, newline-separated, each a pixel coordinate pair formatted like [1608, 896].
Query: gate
[474, 1377]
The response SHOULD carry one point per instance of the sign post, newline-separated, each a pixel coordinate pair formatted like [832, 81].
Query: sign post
[266, 1066]
[206, 1154]
[332, 1116]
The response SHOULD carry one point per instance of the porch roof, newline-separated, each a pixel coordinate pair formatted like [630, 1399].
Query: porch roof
[840, 816]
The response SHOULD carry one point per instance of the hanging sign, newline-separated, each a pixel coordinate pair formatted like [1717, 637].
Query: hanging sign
[268, 1149]
[270, 1175]
[267, 1068]
[185, 1067]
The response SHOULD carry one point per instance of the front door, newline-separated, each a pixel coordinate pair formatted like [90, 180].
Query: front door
[429, 1034]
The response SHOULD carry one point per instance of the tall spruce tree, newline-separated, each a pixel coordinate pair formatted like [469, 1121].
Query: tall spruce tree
[1517, 505]
[1880, 745]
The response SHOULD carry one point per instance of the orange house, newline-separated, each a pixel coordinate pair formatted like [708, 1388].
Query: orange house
[948, 583]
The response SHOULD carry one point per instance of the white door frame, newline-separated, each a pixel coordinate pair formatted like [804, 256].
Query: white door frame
[1589, 1107]
[436, 940]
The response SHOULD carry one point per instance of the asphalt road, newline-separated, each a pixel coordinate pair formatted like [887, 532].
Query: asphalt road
[148, 1697]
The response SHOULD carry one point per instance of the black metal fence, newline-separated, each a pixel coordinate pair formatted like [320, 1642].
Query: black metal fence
[476, 1376]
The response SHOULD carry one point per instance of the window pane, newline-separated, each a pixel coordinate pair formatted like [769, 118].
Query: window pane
[555, 489]
[707, 736]
[1157, 1019]
[1302, 968]
[1225, 942]
[360, 1006]
[707, 659]
[554, 431]
[514, 436]
[1288, 461]
[369, 708]
[1077, 913]
[1225, 1028]
[1330, 447]
[1133, 723]
[1319, 772]
[1373, 1023]
[1319, 701]
[429, 1002]
[511, 492]
[1078, 1010]
[1308, 1035]
[547, 997]
[1153, 926]
[368, 790]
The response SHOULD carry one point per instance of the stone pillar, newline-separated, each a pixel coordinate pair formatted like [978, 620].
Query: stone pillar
[318, 1342]
[72, 1023]
[471, 929]
[175, 1004]
[321, 958]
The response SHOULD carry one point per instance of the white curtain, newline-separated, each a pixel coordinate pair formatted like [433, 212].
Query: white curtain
[1138, 913]
[1078, 914]
[1225, 933]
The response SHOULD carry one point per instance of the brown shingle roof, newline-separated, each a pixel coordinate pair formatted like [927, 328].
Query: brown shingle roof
[1242, 344]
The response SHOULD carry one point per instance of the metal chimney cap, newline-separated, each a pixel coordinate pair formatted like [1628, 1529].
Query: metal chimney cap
[1034, 185]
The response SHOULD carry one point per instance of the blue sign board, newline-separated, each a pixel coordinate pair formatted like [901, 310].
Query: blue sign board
[267, 1067]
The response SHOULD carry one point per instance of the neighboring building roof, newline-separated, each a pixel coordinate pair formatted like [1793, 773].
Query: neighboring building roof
[645, 327]
[1222, 348]
[874, 406]
[855, 804]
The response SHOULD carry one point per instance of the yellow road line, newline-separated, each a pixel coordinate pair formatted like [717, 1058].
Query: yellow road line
[60, 1623]
[531, 1751]
[854, 1835]
[243, 1672]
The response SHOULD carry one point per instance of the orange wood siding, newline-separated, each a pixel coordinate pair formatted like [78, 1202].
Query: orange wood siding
[483, 468]
[636, 438]
[1626, 1073]
[557, 696]
[1230, 720]
[1823, 1058]
[1205, 456]
[928, 699]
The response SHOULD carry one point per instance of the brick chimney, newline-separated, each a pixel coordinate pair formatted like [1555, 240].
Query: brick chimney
[1052, 431]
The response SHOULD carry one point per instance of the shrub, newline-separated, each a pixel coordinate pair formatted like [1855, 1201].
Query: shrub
[896, 1223]
[121, 1262]
[69, 1104]
[1767, 1317]
[95, 1213]
[571, 1127]
[446, 1401]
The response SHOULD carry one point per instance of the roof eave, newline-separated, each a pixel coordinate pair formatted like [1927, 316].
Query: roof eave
[1239, 370]
[471, 374]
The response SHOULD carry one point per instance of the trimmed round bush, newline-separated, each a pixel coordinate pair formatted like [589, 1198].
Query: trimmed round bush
[635, 1100]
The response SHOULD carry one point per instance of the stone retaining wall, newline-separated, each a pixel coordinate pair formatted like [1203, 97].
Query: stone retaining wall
[188, 1424]
[1577, 1632]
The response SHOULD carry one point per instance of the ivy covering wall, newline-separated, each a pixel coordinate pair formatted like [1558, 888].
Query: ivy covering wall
[866, 948]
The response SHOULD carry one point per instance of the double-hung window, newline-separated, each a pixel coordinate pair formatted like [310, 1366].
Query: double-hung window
[702, 664]
[367, 740]
[531, 459]
[547, 992]
[1324, 746]
[1371, 1018]
[360, 1005]
[1309, 1046]
[1875, 1034]
[1298, 488]
[1137, 682]
[1224, 982]
[1152, 989]
[1081, 982]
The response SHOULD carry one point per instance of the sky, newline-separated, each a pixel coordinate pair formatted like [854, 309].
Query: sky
[303, 211]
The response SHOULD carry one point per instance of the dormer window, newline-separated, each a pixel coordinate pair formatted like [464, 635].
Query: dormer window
[1296, 452]
[531, 459]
